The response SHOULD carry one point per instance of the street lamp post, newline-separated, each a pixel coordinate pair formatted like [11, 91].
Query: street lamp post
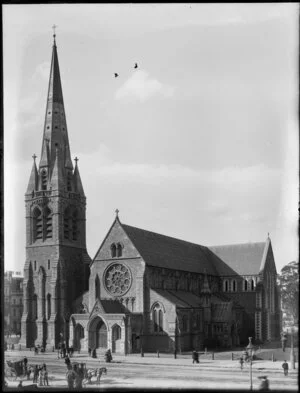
[250, 347]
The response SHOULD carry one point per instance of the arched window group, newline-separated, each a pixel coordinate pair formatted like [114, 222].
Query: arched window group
[71, 224]
[249, 285]
[157, 318]
[116, 250]
[229, 285]
[42, 223]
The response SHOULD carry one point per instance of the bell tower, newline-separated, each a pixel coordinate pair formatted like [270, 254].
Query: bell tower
[56, 270]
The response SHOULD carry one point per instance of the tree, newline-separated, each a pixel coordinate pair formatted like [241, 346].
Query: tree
[289, 290]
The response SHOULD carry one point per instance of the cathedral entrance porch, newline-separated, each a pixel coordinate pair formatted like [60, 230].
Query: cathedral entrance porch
[97, 334]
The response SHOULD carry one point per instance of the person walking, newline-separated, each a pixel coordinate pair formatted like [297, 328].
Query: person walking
[241, 360]
[25, 361]
[68, 362]
[264, 385]
[90, 351]
[41, 377]
[46, 381]
[70, 378]
[285, 367]
[195, 357]
[35, 374]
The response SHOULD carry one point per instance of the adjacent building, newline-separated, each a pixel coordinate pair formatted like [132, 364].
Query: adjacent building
[143, 290]
[13, 302]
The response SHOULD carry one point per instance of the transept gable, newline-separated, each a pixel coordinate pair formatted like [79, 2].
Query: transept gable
[98, 308]
[116, 244]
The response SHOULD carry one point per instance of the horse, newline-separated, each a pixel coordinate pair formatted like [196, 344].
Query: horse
[101, 370]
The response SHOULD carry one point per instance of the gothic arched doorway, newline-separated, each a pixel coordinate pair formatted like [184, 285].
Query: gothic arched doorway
[78, 336]
[98, 334]
[116, 337]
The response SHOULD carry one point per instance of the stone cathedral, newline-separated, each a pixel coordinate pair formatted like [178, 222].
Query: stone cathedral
[142, 290]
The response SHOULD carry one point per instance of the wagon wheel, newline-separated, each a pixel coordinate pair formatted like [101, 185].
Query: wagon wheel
[10, 374]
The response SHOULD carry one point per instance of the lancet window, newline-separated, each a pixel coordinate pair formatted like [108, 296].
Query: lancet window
[157, 318]
[37, 224]
[48, 218]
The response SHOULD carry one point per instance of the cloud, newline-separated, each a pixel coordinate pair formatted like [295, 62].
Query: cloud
[142, 87]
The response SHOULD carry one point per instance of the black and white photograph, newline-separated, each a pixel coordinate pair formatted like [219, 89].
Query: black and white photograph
[151, 196]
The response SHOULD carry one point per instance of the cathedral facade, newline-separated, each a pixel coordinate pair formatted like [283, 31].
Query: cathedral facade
[142, 291]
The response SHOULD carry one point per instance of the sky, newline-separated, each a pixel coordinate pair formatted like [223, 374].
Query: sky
[200, 142]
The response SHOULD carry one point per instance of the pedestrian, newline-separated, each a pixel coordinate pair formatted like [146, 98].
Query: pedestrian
[94, 355]
[285, 367]
[70, 378]
[78, 377]
[35, 374]
[46, 381]
[41, 377]
[64, 351]
[90, 351]
[264, 385]
[25, 361]
[20, 386]
[241, 362]
[195, 357]
[68, 362]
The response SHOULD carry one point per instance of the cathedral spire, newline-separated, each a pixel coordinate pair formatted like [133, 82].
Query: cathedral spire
[55, 128]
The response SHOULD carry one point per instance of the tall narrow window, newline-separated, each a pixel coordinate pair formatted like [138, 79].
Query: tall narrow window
[252, 285]
[74, 225]
[160, 320]
[67, 223]
[113, 249]
[37, 224]
[44, 179]
[97, 287]
[48, 218]
[48, 306]
[48, 264]
[35, 307]
[119, 250]
[69, 181]
[245, 285]
[34, 265]
[233, 285]
[157, 318]
[226, 285]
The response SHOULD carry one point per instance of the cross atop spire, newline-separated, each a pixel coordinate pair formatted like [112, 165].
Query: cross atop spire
[54, 35]
[117, 212]
[34, 157]
[76, 159]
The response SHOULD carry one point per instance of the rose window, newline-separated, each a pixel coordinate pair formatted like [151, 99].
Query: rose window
[117, 279]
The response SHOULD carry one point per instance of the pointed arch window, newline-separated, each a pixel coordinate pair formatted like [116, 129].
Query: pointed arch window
[74, 225]
[48, 218]
[97, 287]
[226, 286]
[48, 306]
[37, 224]
[234, 288]
[245, 285]
[69, 181]
[44, 179]
[113, 249]
[35, 307]
[157, 318]
[119, 250]
[252, 285]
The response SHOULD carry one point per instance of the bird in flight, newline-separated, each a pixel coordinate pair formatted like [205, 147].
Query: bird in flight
[116, 75]
[135, 65]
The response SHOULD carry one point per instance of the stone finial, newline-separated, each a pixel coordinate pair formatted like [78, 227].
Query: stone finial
[54, 35]
[117, 212]
[34, 157]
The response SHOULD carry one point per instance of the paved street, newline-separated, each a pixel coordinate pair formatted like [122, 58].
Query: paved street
[133, 371]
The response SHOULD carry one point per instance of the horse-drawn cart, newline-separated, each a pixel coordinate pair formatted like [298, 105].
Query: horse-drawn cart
[14, 370]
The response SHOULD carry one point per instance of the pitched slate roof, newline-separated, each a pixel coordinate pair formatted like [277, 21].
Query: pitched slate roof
[243, 258]
[170, 253]
[181, 299]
